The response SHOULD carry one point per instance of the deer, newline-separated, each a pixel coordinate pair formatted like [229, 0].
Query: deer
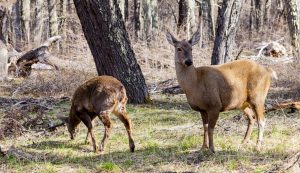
[99, 97]
[241, 84]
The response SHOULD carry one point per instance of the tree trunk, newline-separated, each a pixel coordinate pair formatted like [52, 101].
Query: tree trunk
[137, 23]
[186, 18]
[63, 25]
[227, 24]
[293, 7]
[148, 20]
[53, 23]
[38, 23]
[259, 13]
[122, 8]
[211, 19]
[26, 20]
[109, 43]
[3, 48]
[16, 24]
[126, 13]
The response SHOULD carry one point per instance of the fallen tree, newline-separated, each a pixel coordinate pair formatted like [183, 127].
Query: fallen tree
[22, 66]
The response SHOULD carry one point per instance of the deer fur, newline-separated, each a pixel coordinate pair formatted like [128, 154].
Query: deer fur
[99, 97]
[210, 90]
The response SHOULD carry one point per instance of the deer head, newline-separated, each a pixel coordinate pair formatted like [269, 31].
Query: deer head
[183, 49]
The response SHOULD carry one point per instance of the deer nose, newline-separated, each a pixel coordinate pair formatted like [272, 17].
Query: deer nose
[188, 62]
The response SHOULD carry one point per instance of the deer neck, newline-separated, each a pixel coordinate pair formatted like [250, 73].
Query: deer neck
[73, 119]
[186, 76]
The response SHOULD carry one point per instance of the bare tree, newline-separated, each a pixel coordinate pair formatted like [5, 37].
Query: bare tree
[227, 23]
[38, 22]
[148, 20]
[109, 43]
[26, 20]
[53, 23]
[293, 7]
[186, 18]
[3, 48]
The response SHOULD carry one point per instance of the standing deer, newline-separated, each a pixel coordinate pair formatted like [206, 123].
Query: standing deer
[210, 90]
[99, 97]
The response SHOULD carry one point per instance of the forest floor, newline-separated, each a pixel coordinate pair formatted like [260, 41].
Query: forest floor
[168, 137]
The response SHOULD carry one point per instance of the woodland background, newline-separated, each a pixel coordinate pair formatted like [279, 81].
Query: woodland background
[266, 31]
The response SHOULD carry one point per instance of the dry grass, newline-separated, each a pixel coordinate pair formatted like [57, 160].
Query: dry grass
[168, 138]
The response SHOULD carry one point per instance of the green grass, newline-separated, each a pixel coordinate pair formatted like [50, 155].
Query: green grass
[168, 137]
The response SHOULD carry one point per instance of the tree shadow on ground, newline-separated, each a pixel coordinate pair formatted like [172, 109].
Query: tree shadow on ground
[152, 155]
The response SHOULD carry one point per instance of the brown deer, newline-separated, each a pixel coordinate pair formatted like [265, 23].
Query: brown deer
[99, 97]
[210, 90]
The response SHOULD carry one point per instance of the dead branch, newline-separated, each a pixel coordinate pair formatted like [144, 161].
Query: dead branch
[291, 164]
[39, 54]
[286, 105]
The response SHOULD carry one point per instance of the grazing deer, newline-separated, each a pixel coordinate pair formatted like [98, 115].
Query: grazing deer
[210, 90]
[100, 97]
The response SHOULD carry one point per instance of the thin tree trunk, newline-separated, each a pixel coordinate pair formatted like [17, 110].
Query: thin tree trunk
[16, 24]
[63, 25]
[38, 25]
[211, 19]
[260, 13]
[227, 24]
[103, 28]
[3, 48]
[122, 8]
[186, 18]
[137, 23]
[126, 12]
[293, 7]
[26, 20]
[53, 23]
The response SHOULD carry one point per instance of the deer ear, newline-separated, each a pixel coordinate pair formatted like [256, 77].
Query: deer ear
[171, 39]
[195, 38]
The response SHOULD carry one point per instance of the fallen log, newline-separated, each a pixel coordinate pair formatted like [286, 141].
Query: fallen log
[41, 54]
[286, 105]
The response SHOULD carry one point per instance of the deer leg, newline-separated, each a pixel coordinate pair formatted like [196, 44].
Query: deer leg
[104, 117]
[259, 111]
[86, 141]
[251, 120]
[212, 120]
[127, 123]
[205, 126]
[85, 118]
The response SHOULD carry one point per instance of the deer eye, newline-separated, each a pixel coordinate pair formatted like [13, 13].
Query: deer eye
[179, 49]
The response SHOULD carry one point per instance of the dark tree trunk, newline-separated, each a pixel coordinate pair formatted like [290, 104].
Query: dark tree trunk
[227, 24]
[126, 12]
[108, 40]
[293, 18]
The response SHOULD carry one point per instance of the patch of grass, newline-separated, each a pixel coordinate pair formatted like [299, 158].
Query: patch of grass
[232, 165]
[168, 136]
[109, 167]
[189, 142]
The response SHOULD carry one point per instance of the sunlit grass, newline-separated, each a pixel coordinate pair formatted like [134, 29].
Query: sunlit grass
[168, 137]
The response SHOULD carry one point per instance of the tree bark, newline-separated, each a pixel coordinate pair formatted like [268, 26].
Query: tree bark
[137, 23]
[211, 19]
[259, 13]
[3, 48]
[53, 24]
[109, 43]
[26, 20]
[227, 24]
[293, 7]
[38, 23]
[186, 18]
